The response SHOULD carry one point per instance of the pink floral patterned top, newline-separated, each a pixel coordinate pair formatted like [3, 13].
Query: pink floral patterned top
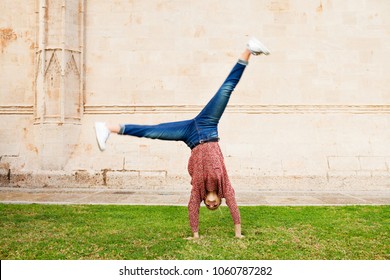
[208, 173]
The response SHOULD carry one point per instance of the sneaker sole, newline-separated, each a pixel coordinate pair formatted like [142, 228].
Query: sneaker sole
[101, 147]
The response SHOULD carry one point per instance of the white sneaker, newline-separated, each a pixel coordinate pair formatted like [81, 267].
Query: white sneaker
[102, 134]
[256, 47]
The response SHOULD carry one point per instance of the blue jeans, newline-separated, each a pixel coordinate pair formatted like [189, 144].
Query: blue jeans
[202, 128]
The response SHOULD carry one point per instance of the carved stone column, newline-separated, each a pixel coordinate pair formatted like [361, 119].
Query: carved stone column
[58, 80]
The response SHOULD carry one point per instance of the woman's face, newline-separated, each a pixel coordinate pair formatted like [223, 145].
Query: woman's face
[212, 201]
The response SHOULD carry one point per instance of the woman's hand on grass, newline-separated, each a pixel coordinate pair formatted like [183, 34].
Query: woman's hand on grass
[194, 237]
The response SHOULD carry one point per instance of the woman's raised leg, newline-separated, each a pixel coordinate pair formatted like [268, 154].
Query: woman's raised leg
[212, 112]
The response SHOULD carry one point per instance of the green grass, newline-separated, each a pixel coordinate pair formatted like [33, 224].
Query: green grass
[159, 232]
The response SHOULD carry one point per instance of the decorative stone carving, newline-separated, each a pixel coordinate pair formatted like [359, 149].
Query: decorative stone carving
[59, 66]
[58, 81]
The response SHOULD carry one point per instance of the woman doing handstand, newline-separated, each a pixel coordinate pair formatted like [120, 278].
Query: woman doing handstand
[209, 178]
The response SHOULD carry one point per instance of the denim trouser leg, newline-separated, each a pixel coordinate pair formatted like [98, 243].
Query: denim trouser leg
[202, 127]
[212, 112]
[174, 131]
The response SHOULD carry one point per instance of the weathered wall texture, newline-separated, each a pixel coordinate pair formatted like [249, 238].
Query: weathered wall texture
[315, 114]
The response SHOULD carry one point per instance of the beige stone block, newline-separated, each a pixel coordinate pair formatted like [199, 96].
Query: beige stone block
[364, 173]
[373, 163]
[384, 173]
[380, 146]
[246, 171]
[122, 179]
[38, 179]
[343, 174]
[5, 174]
[234, 166]
[113, 162]
[299, 166]
[266, 166]
[153, 173]
[353, 147]
[365, 43]
[239, 150]
[88, 178]
[343, 163]
[144, 162]
[9, 149]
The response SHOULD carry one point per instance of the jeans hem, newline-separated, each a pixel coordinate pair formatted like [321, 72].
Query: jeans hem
[243, 62]
[122, 130]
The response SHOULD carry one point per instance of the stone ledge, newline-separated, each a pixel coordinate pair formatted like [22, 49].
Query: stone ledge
[170, 197]
[161, 181]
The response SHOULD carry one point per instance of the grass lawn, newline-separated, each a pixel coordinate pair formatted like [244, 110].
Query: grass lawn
[159, 232]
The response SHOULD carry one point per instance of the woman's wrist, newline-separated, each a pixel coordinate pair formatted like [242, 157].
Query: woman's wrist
[237, 230]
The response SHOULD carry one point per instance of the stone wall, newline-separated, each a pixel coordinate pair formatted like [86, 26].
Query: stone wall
[312, 115]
